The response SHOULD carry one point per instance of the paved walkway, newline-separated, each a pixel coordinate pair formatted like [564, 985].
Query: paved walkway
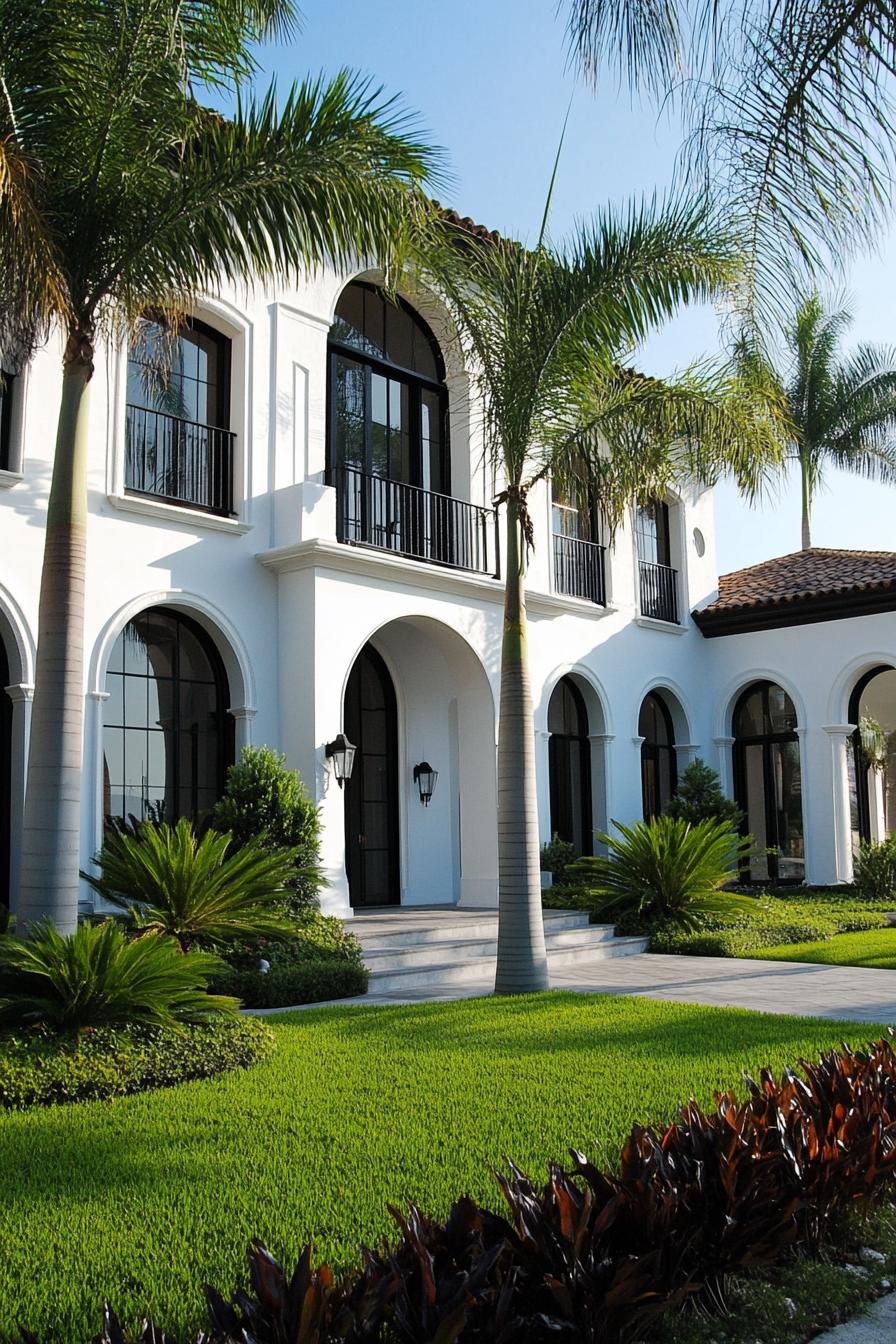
[803, 989]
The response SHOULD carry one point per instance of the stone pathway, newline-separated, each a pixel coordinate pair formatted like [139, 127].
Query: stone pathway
[877, 1325]
[806, 990]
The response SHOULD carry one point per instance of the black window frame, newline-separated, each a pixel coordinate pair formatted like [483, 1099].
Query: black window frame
[560, 746]
[224, 346]
[766, 740]
[9, 382]
[660, 537]
[652, 753]
[860, 762]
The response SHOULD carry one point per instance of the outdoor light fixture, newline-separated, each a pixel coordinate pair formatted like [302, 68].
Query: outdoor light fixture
[425, 779]
[342, 753]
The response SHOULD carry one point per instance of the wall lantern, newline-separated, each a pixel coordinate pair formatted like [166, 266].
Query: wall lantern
[425, 779]
[342, 753]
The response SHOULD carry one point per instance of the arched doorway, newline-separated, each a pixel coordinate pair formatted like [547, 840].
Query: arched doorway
[371, 795]
[5, 777]
[659, 765]
[872, 764]
[768, 781]
[569, 761]
[167, 734]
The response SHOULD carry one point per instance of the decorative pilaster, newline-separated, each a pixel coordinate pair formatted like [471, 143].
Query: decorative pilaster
[242, 716]
[22, 697]
[723, 747]
[840, 734]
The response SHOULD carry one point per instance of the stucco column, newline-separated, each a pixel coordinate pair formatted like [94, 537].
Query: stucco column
[543, 783]
[725, 764]
[601, 780]
[839, 735]
[334, 898]
[92, 833]
[685, 752]
[242, 716]
[22, 696]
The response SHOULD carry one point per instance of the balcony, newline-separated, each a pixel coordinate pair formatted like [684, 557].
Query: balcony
[420, 524]
[659, 592]
[579, 569]
[178, 461]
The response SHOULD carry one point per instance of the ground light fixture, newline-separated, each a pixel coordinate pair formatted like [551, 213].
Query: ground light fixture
[342, 753]
[425, 779]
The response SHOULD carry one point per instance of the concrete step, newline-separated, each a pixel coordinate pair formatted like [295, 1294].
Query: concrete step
[416, 927]
[397, 953]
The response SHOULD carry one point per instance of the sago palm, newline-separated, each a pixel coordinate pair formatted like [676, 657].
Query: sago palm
[839, 411]
[120, 193]
[548, 332]
[193, 889]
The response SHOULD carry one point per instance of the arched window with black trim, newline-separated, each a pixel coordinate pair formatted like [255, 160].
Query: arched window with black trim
[5, 774]
[569, 760]
[167, 733]
[872, 761]
[768, 781]
[388, 427]
[659, 765]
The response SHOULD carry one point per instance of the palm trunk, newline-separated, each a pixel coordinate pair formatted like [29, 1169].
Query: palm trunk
[807, 504]
[522, 961]
[52, 825]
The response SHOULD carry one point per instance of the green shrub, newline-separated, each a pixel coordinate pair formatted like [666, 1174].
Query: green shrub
[699, 797]
[40, 1067]
[264, 801]
[766, 921]
[665, 869]
[556, 857]
[874, 870]
[97, 976]
[289, 983]
[174, 882]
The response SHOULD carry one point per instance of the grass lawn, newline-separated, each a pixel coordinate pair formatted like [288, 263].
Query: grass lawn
[142, 1199]
[874, 948]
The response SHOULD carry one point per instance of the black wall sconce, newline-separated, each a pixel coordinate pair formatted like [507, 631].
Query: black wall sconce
[425, 779]
[342, 753]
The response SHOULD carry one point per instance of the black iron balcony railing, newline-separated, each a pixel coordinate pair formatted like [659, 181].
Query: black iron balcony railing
[178, 460]
[393, 516]
[579, 569]
[659, 592]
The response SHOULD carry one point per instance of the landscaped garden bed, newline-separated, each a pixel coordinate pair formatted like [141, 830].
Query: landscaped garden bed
[142, 1200]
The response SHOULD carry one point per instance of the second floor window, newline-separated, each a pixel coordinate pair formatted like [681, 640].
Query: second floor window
[7, 392]
[652, 530]
[178, 444]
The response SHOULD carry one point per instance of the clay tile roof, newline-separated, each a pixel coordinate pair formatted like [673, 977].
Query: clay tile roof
[806, 586]
[468, 225]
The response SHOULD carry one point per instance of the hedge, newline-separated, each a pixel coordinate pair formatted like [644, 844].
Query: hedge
[596, 1256]
[38, 1067]
[292, 982]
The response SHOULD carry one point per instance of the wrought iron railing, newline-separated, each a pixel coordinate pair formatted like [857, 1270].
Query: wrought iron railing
[178, 460]
[410, 521]
[659, 592]
[579, 569]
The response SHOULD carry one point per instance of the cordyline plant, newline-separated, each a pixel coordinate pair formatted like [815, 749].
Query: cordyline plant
[548, 332]
[120, 194]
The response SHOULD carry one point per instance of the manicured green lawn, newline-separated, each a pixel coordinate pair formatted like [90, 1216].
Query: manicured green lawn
[142, 1199]
[875, 948]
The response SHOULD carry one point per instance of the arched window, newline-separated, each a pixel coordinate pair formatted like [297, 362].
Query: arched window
[167, 736]
[658, 581]
[872, 763]
[569, 760]
[5, 774]
[768, 782]
[659, 765]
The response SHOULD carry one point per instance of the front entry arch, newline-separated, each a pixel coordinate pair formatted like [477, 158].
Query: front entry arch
[371, 795]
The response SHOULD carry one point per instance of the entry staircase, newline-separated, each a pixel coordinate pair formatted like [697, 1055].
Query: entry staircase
[415, 947]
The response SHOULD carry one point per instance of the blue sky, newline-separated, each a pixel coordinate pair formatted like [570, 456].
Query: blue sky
[490, 82]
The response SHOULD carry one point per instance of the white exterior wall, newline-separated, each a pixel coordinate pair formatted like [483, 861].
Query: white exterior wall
[289, 608]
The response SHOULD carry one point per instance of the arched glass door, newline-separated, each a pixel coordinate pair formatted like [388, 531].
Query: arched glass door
[768, 782]
[872, 763]
[371, 795]
[569, 758]
[659, 766]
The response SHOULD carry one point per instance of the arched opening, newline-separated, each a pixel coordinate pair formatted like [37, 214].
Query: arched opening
[371, 795]
[5, 777]
[872, 761]
[167, 734]
[659, 765]
[768, 782]
[569, 761]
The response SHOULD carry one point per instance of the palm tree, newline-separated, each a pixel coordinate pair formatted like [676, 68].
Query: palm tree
[837, 412]
[548, 331]
[787, 104]
[120, 193]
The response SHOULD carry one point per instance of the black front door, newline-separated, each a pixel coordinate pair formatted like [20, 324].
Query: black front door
[371, 795]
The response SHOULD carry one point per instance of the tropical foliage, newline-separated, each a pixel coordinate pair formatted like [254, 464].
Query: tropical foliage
[549, 331]
[121, 194]
[97, 976]
[266, 802]
[698, 796]
[193, 888]
[667, 869]
[874, 869]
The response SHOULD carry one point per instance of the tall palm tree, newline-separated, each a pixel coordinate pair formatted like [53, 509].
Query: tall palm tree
[120, 193]
[837, 411]
[548, 332]
[788, 104]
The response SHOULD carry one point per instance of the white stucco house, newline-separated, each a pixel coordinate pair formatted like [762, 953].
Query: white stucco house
[297, 539]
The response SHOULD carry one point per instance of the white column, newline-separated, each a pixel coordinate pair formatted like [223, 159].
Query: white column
[839, 735]
[93, 826]
[242, 716]
[723, 746]
[543, 784]
[22, 697]
[685, 752]
[601, 780]
[334, 898]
